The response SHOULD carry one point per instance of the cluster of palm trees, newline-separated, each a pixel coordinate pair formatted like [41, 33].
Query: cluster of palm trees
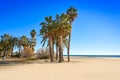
[57, 33]
[8, 43]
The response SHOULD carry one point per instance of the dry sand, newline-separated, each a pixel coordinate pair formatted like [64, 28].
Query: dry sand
[77, 69]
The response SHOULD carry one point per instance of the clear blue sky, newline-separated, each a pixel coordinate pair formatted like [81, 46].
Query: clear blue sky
[95, 31]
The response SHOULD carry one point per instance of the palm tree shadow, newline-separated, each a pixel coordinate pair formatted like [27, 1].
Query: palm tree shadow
[32, 61]
[13, 62]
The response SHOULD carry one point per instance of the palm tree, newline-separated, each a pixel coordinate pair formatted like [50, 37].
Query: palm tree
[13, 41]
[63, 28]
[19, 44]
[72, 12]
[56, 41]
[33, 33]
[1, 48]
[33, 41]
[25, 41]
[5, 41]
[47, 31]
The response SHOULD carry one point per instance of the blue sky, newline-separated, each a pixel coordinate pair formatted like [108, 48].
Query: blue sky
[96, 30]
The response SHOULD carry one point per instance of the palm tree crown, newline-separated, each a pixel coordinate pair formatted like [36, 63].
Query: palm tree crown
[33, 33]
[24, 41]
[72, 12]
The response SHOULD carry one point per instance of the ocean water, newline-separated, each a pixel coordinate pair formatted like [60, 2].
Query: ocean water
[111, 56]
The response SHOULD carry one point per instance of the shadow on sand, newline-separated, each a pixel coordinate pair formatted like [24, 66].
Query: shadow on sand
[22, 61]
[13, 62]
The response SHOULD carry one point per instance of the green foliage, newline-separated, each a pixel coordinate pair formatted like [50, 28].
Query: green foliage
[5, 43]
[72, 12]
[24, 41]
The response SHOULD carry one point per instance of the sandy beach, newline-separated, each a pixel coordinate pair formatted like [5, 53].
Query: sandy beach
[77, 69]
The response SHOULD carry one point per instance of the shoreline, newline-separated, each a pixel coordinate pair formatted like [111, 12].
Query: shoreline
[116, 56]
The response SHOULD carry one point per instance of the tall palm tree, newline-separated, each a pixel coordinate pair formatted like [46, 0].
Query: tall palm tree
[72, 12]
[63, 28]
[47, 31]
[57, 40]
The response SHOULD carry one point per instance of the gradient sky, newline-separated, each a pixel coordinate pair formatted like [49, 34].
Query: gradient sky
[96, 30]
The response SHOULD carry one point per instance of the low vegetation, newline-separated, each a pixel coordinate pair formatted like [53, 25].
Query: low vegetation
[43, 53]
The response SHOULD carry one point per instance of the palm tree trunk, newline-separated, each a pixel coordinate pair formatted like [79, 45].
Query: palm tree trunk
[62, 56]
[61, 50]
[4, 54]
[53, 49]
[50, 48]
[3, 57]
[0, 54]
[12, 52]
[60, 60]
[31, 46]
[19, 50]
[68, 50]
[57, 51]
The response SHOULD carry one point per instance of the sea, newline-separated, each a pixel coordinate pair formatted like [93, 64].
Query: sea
[107, 56]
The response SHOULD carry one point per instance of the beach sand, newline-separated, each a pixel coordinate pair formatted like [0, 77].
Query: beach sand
[77, 69]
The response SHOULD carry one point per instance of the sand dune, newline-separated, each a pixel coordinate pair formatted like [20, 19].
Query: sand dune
[77, 69]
